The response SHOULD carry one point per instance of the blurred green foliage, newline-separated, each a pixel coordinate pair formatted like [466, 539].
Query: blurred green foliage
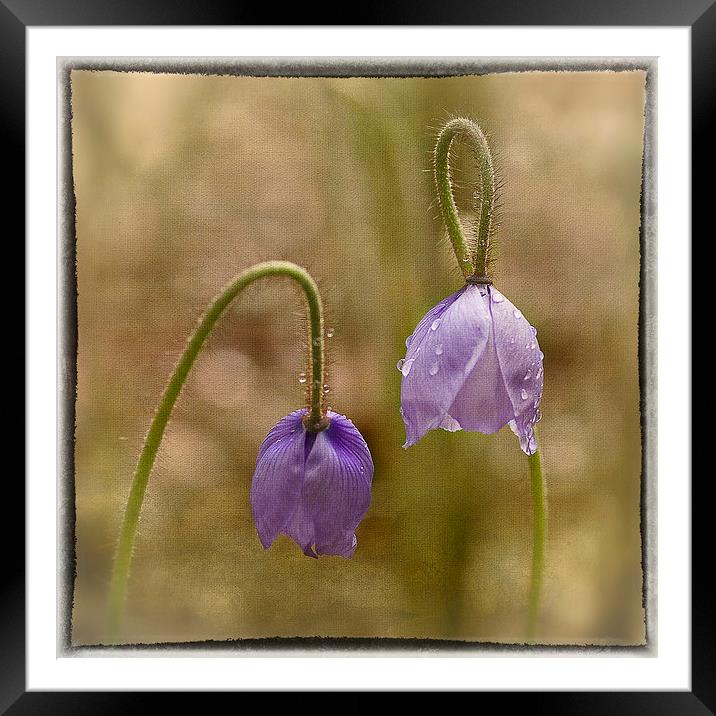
[182, 181]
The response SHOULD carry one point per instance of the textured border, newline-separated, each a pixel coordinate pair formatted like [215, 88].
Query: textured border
[374, 68]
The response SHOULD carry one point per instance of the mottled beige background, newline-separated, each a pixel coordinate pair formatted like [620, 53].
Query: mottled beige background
[183, 181]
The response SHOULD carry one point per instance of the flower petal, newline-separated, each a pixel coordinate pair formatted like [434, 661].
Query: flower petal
[336, 488]
[521, 365]
[482, 404]
[301, 530]
[276, 485]
[442, 352]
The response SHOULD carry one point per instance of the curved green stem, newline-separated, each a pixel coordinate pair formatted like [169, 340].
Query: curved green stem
[315, 420]
[469, 131]
[539, 532]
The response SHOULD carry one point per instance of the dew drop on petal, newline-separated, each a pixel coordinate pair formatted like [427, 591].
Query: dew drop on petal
[517, 313]
[534, 330]
[408, 341]
[528, 375]
[435, 324]
[439, 349]
[523, 393]
[497, 297]
[407, 365]
[532, 346]
[434, 368]
[399, 364]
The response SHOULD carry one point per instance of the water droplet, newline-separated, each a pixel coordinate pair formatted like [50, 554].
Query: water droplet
[301, 378]
[512, 340]
[408, 341]
[528, 375]
[329, 332]
[399, 364]
[532, 445]
[523, 393]
[326, 389]
[407, 365]
[541, 355]
[534, 330]
[434, 368]
[439, 349]
[435, 324]
[517, 313]
[497, 297]
[538, 416]
[532, 346]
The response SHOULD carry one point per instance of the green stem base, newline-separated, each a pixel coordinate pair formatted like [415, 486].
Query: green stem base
[539, 527]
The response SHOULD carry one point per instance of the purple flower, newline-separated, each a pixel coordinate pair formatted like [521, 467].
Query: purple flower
[312, 487]
[472, 363]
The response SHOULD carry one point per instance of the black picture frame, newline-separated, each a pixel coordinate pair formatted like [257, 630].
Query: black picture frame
[700, 15]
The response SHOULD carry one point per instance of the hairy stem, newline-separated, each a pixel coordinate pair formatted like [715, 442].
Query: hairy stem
[468, 130]
[315, 420]
[538, 548]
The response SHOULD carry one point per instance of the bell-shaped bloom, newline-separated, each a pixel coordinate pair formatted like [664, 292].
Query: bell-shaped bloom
[312, 487]
[472, 363]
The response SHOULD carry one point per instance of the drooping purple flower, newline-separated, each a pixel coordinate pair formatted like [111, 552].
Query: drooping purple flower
[472, 363]
[313, 487]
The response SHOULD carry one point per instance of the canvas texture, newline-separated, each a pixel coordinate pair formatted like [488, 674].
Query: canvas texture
[183, 181]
